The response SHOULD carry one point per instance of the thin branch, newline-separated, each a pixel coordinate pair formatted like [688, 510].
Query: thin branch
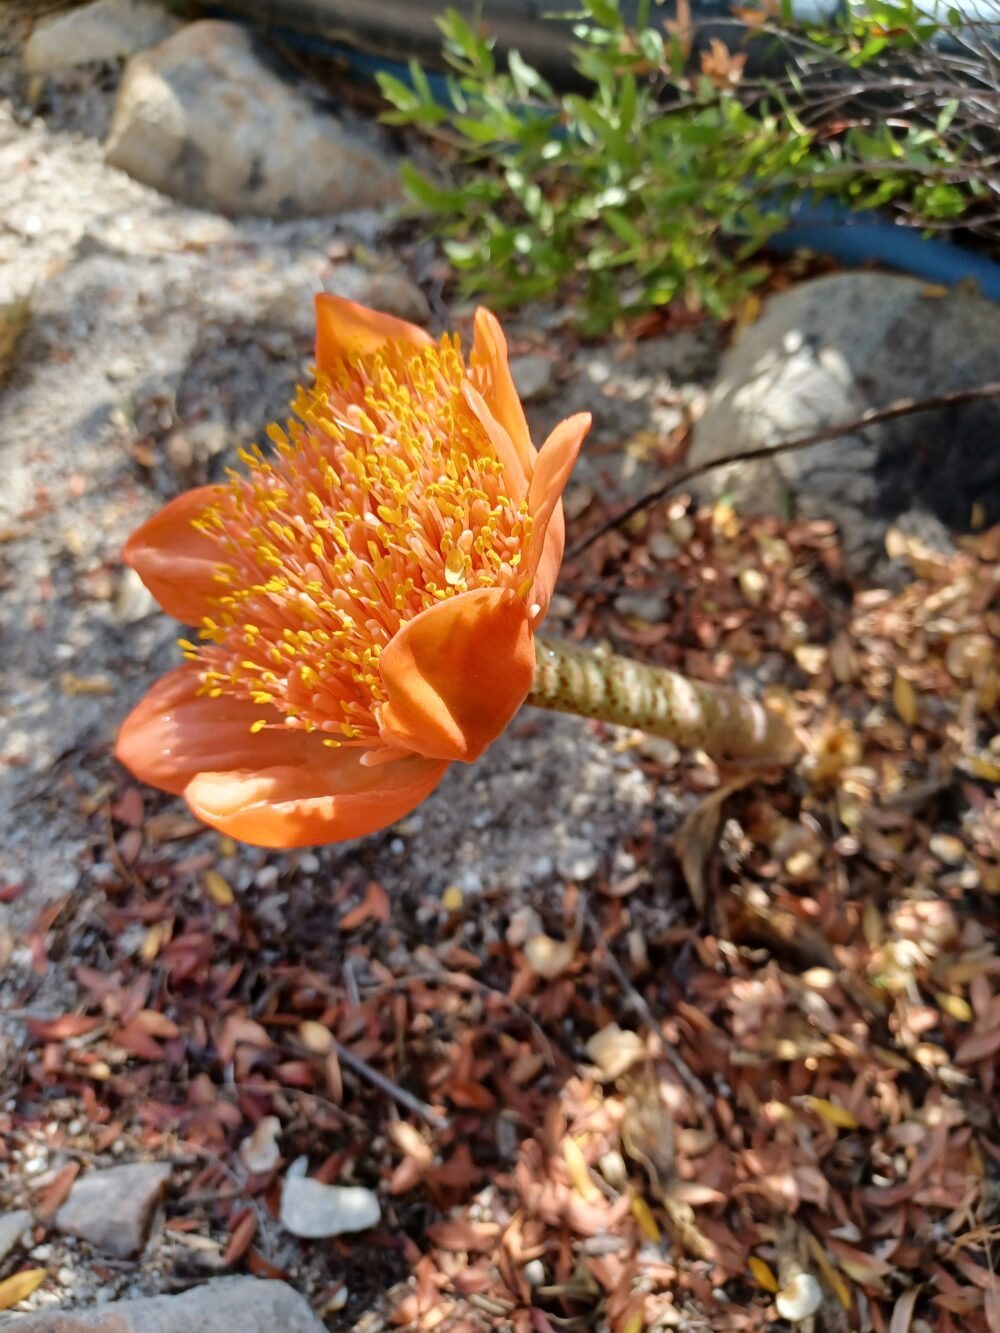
[441, 976]
[399, 1095]
[640, 1005]
[903, 407]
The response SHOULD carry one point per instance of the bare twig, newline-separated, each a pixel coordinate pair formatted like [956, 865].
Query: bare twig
[399, 1095]
[691, 1081]
[903, 407]
[459, 981]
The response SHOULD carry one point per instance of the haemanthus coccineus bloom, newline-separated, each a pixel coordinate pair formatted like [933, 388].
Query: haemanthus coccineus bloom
[366, 597]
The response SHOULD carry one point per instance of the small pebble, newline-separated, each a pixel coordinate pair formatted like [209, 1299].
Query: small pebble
[577, 860]
[534, 1272]
[260, 1151]
[799, 1299]
[14, 1227]
[663, 547]
[648, 606]
[266, 877]
[534, 375]
[948, 849]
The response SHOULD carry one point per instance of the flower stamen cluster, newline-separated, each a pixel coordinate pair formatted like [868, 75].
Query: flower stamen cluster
[384, 496]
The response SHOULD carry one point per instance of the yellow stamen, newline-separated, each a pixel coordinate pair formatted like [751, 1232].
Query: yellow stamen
[384, 496]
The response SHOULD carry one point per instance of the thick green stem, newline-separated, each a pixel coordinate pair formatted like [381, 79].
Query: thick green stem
[688, 712]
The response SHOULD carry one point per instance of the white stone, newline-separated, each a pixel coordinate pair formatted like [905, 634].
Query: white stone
[203, 118]
[799, 1299]
[13, 1228]
[647, 606]
[105, 30]
[312, 1210]
[261, 1151]
[577, 859]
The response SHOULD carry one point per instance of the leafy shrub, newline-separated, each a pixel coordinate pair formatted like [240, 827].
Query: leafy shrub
[657, 183]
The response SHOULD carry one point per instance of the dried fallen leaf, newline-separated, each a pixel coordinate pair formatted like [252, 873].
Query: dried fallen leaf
[696, 838]
[830, 1113]
[241, 1238]
[14, 316]
[762, 1274]
[315, 1037]
[72, 685]
[411, 1142]
[62, 1028]
[955, 1006]
[260, 1151]
[57, 1192]
[978, 1046]
[458, 1235]
[218, 888]
[643, 1214]
[615, 1050]
[375, 906]
[549, 958]
[157, 1024]
[18, 1288]
[753, 585]
[905, 700]
[579, 1172]
[902, 1312]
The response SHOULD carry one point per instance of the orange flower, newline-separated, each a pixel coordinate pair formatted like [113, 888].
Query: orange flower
[367, 597]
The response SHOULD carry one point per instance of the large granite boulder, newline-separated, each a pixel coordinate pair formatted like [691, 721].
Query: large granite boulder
[103, 30]
[823, 353]
[205, 118]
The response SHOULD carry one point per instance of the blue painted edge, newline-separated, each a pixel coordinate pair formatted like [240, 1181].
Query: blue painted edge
[828, 228]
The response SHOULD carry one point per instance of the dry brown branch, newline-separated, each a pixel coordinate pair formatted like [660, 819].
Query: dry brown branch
[903, 407]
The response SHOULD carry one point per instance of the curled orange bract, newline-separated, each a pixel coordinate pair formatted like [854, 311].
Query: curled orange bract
[365, 596]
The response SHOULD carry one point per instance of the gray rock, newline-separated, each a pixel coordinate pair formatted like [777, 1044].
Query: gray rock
[225, 1305]
[577, 859]
[12, 1228]
[394, 294]
[203, 118]
[534, 375]
[313, 1210]
[648, 606]
[104, 30]
[824, 353]
[111, 1208]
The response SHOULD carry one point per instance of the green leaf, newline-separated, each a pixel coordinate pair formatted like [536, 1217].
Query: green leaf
[422, 189]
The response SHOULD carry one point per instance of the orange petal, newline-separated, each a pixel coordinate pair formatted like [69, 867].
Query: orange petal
[303, 806]
[515, 479]
[344, 328]
[548, 567]
[457, 673]
[175, 733]
[491, 376]
[278, 788]
[548, 533]
[174, 559]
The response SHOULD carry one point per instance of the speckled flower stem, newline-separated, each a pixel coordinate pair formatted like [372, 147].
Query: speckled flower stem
[691, 714]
